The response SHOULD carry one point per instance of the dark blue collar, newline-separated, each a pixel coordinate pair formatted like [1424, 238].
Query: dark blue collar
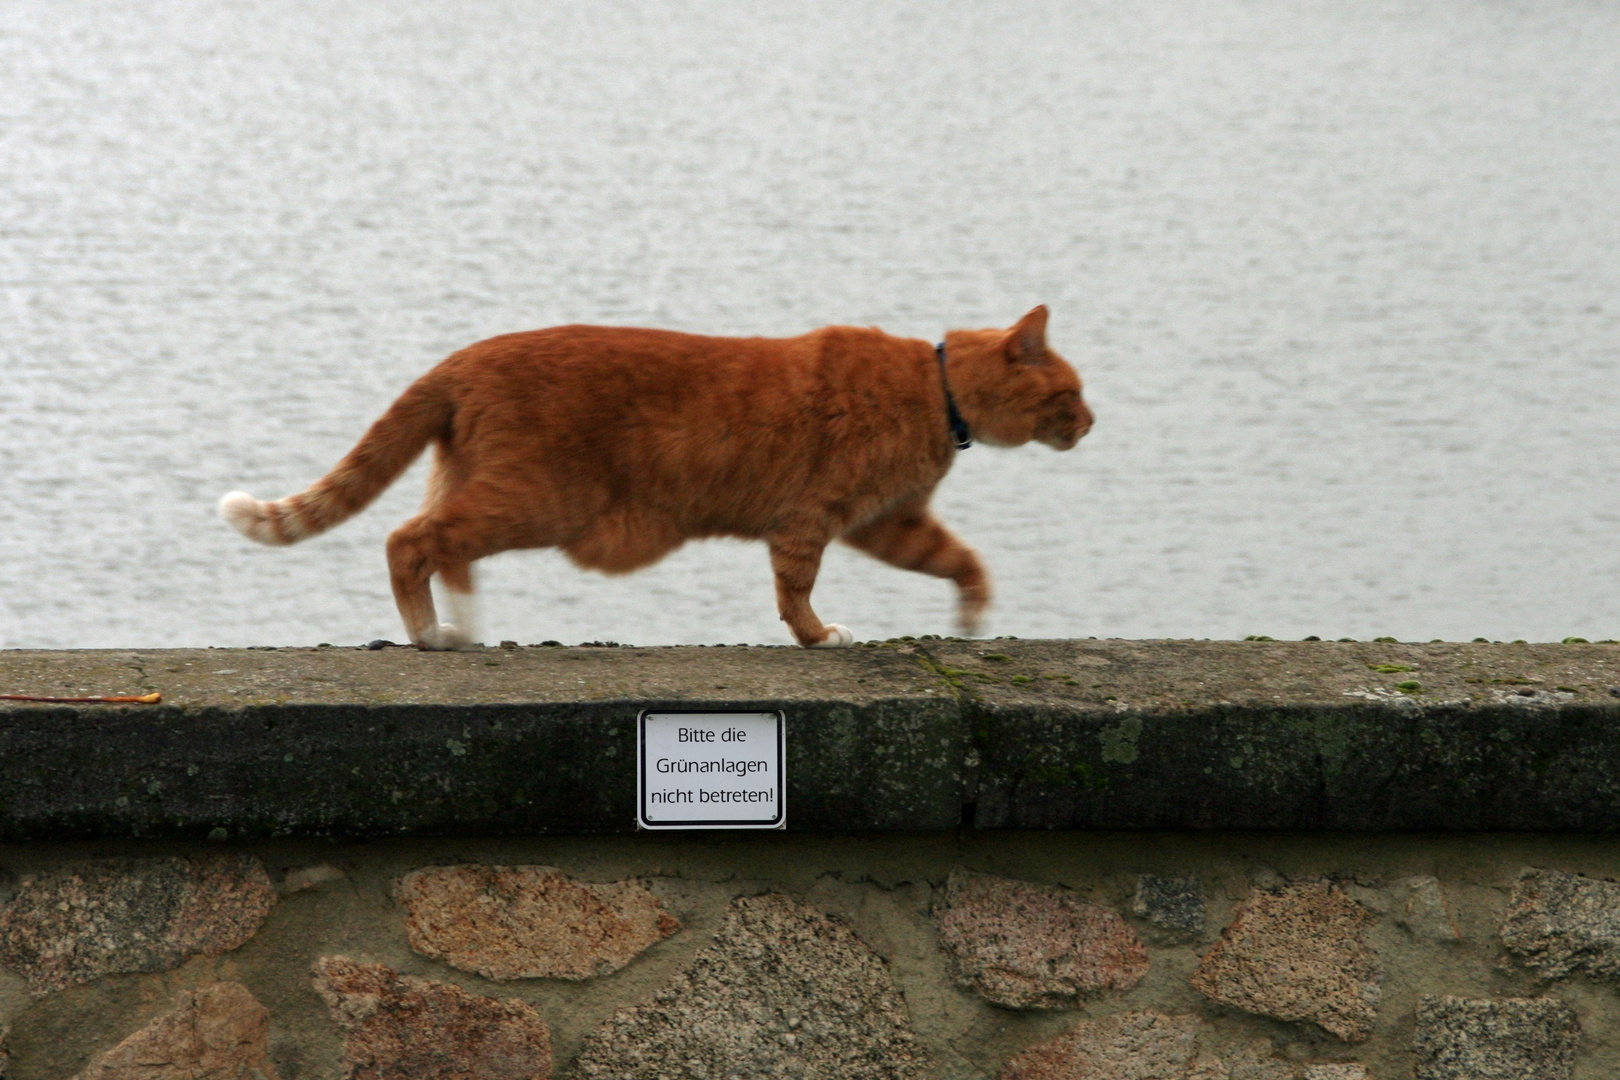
[960, 432]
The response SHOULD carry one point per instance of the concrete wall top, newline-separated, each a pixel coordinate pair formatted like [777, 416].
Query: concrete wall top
[920, 735]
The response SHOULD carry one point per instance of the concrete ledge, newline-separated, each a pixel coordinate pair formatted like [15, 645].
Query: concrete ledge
[1297, 735]
[903, 736]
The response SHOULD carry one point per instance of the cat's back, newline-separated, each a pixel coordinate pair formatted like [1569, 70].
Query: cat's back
[664, 409]
[585, 349]
[610, 367]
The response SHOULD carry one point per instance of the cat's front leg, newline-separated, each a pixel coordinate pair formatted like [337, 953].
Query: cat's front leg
[973, 599]
[796, 563]
[446, 637]
[911, 538]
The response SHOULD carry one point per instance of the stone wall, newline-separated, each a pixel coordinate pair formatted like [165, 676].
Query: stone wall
[968, 954]
[1345, 860]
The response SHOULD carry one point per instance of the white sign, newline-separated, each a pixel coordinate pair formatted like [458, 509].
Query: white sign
[719, 770]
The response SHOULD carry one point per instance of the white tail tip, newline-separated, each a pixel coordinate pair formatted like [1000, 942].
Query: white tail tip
[250, 517]
[241, 510]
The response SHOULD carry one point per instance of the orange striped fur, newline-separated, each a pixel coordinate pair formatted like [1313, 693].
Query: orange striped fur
[619, 445]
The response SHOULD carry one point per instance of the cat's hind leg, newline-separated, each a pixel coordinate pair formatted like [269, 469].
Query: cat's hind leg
[913, 539]
[457, 579]
[796, 564]
[413, 559]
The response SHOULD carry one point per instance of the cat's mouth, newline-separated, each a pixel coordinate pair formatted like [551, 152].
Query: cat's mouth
[1065, 440]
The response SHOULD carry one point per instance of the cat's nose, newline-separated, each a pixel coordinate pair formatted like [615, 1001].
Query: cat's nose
[1082, 425]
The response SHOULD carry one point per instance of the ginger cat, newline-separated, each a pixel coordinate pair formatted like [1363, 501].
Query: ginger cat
[619, 445]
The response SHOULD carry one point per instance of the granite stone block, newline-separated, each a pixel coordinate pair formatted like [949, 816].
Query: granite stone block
[1495, 1039]
[81, 921]
[219, 1032]
[1173, 903]
[400, 1027]
[785, 991]
[1024, 945]
[518, 922]
[1297, 953]
[1561, 923]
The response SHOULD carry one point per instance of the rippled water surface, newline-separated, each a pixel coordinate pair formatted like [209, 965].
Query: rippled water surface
[1344, 282]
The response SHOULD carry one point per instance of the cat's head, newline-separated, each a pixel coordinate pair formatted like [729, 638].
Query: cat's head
[1012, 388]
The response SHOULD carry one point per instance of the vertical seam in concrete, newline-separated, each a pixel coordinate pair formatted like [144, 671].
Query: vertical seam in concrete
[966, 715]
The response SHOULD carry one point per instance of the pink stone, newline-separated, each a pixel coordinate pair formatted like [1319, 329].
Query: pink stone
[399, 1027]
[217, 1033]
[525, 922]
[226, 902]
[1299, 953]
[1125, 1046]
[1030, 946]
[81, 921]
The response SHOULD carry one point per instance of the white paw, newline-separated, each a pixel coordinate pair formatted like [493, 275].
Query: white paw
[445, 636]
[838, 637]
[970, 614]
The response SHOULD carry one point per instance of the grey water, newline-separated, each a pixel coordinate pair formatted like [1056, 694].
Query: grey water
[1343, 281]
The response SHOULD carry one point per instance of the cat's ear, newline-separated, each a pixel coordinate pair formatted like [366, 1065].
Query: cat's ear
[1026, 341]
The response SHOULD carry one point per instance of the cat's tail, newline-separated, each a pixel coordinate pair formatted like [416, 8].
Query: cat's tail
[421, 415]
